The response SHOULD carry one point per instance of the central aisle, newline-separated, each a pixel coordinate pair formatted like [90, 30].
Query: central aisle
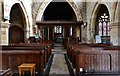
[59, 65]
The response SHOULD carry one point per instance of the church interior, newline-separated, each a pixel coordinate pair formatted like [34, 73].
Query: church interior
[59, 37]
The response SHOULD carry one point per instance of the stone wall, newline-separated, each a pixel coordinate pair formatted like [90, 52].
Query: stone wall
[87, 11]
[82, 7]
[35, 8]
[0, 32]
[91, 9]
[115, 33]
[4, 33]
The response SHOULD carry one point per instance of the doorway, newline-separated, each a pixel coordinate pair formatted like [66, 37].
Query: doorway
[17, 26]
[16, 35]
[58, 36]
[58, 12]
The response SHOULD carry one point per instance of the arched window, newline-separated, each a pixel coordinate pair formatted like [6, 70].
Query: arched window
[104, 25]
[104, 28]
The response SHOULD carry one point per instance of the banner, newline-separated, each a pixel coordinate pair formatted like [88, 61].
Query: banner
[7, 8]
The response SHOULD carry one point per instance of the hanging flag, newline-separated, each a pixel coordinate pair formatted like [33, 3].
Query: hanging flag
[7, 8]
[6, 11]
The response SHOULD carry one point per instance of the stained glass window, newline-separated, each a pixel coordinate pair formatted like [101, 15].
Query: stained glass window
[108, 28]
[100, 28]
[104, 28]
[104, 25]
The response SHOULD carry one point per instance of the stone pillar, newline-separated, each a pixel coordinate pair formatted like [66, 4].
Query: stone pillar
[114, 34]
[0, 33]
[27, 35]
[77, 34]
[83, 34]
[4, 33]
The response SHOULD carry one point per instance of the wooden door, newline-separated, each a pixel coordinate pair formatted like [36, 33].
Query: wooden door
[16, 35]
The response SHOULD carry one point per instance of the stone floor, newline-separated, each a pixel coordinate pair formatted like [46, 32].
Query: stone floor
[59, 65]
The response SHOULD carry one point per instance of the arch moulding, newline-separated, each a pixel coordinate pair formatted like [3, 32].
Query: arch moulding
[27, 25]
[46, 3]
[93, 19]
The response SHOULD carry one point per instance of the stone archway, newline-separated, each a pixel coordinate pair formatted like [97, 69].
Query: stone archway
[116, 13]
[45, 4]
[115, 25]
[72, 5]
[27, 23]
[28, 26]
[93, 19]
[17, 18]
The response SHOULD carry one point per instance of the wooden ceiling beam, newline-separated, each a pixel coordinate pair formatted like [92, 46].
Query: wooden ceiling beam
[59, 23]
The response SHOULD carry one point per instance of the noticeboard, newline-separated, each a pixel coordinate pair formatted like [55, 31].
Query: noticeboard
[105, 39]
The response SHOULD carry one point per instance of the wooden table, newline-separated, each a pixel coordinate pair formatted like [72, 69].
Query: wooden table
[27, 67]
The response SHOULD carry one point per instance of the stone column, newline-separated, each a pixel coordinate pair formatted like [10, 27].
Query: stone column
[114, 33]
[77, 34]
[5, 33]
[83, 34]
[27, 35]
[0, 33]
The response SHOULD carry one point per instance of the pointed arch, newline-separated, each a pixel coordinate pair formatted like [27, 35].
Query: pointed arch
[27, 23]
[46, 3]
[25, 20]
[116, 13]
[93, 18]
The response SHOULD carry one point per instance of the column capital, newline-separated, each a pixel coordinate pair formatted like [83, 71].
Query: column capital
[5, 24]
[114, 23]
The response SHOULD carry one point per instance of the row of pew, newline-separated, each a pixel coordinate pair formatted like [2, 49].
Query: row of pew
[94, 58]
[15, 54]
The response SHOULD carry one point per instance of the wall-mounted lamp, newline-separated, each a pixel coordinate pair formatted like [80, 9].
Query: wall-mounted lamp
[84, 24]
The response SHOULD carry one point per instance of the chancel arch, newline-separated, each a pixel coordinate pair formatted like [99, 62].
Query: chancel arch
[46, 3]
[55, 13]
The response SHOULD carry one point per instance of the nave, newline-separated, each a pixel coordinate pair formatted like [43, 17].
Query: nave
[73, 37]
[57, 64]
[60, 65]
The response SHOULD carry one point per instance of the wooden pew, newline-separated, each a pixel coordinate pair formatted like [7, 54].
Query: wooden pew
[14, 56]
[47, 47]
[94, 58]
